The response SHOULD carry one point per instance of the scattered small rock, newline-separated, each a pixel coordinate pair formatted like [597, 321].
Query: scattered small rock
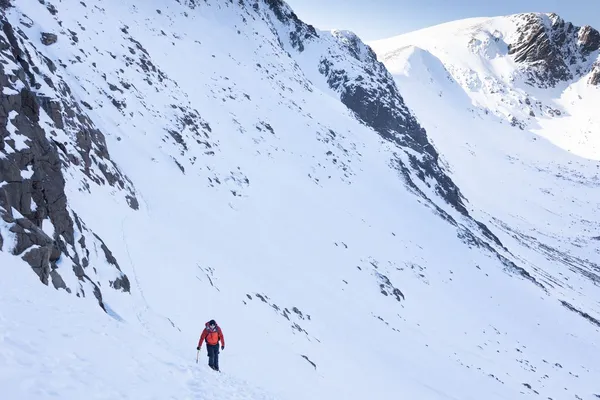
[52, 9]
[311, 363]
[260, 296]
[298, 312]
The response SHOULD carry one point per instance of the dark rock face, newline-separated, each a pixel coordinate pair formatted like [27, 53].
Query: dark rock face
[33, 202]
[49, 38]
[595, 75]
[371, 93]
[554, 50]
[300, 31]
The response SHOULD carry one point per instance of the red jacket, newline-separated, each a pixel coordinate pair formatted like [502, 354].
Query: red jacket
[212, 337]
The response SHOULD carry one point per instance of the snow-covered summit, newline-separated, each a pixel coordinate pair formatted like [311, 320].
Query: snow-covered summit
[545, 47]
[528, 69]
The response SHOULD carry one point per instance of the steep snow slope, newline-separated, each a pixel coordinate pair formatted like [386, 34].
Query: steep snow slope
[228, 161]
[514, 101]
[65, 349]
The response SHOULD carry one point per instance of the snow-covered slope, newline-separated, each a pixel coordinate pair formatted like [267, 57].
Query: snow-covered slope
[514, 100]
[178, 161]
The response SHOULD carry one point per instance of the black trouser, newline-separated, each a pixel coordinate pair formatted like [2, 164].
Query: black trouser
[213, 356]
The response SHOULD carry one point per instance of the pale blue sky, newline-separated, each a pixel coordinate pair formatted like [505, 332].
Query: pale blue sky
[377, 19]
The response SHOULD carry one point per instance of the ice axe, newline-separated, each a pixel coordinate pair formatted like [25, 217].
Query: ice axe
[197, 355]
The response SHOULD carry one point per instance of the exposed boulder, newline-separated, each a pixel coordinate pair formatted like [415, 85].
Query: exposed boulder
[39, 259]
[49, 38]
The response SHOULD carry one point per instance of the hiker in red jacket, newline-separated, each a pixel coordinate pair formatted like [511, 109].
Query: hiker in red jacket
[212, 334]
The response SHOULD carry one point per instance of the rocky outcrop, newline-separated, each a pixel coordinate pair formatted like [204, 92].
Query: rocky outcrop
[299, 31]
[595, 75]
[552, 49]
[34, 184]
[40, 137]
[589, 39]
[372, 94]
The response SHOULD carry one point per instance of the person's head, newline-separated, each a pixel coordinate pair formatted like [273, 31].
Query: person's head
[212, 323]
